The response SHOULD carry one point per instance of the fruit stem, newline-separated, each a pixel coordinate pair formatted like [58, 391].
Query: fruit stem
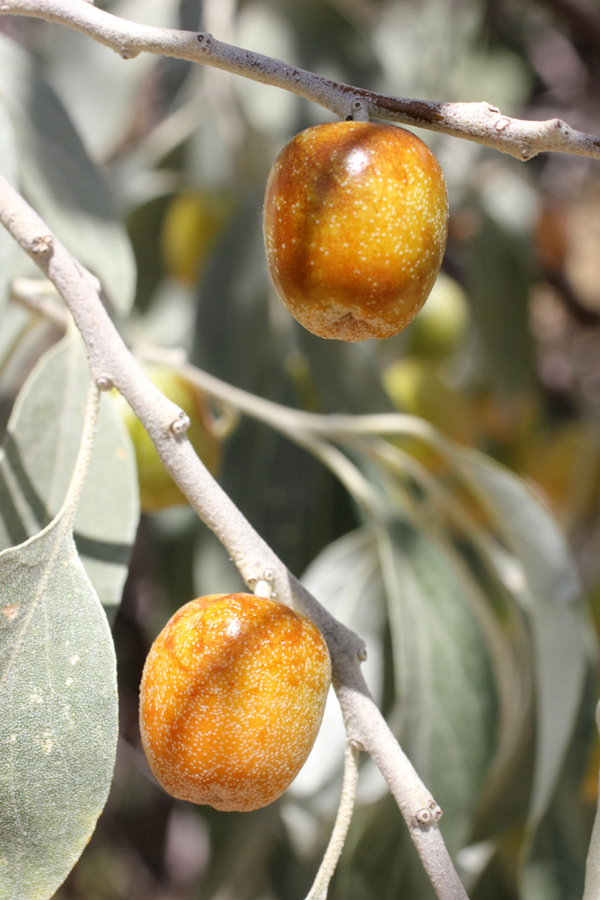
[340, 829]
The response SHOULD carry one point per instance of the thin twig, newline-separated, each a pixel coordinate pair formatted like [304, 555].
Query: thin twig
[36, 295]
[340, 829]
[333, 425]
[479, 122]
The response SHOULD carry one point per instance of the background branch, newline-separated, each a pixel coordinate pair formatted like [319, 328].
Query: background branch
[583, 21]
[481, 122]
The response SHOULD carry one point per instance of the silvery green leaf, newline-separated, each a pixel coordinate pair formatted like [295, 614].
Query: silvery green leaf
[104, 103]
[345, 578]
[445, 693]
[546, 584]
[59, 178]
[37, 460]
[58, 712]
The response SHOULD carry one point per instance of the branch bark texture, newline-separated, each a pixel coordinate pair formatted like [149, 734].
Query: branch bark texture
[478, 122]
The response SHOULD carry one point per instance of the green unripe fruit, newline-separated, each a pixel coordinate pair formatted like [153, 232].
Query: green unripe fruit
[191, 227]
[442, 324]
[157, 488]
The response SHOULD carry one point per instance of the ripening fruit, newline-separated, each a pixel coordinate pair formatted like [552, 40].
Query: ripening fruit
[443, 323]
[417, 387]
[157, 488]
[191, 227]
[231, 700]
[355, 223]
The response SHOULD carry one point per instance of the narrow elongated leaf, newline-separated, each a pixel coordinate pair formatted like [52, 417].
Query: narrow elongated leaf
[37, 461]
[548, 590]
[446, 703]
[15, 321]
[59, 178]
[445, 691]
[345, 577]
[232, 307]
[58, 712]
[501, 278]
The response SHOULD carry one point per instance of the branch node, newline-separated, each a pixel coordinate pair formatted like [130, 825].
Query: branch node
[104, 383]
[206, 41]
[263, 585]
[42, 245]
[429, 814]
[181, 423]
[502, 123]
[358, 112]
[128, 53]
[561, 126]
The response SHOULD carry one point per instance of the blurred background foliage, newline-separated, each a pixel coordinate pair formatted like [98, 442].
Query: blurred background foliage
[481, 623]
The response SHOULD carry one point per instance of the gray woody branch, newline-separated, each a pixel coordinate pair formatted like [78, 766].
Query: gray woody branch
[479, 122]
[112, 364]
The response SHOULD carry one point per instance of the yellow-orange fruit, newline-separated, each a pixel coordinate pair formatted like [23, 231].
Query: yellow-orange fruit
[231, 700]
[355, 223]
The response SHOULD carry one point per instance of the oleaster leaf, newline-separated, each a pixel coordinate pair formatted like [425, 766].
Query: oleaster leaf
[546, 585]
[37, 459]
[445, 703]
[445, 692]
[54, 169]
[58, 708]
[345, 577]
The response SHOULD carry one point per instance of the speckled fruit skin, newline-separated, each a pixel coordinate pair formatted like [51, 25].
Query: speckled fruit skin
[231, 700]
[355, 222]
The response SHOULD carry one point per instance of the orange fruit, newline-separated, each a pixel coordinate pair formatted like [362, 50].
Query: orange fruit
[355, 222]
[231, 700]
